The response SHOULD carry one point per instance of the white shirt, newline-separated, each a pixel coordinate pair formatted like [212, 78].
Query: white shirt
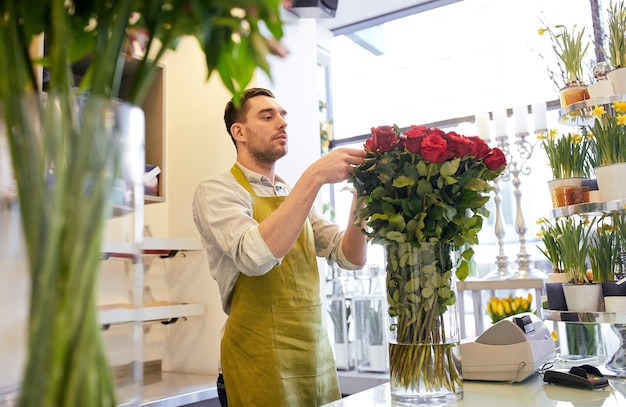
[222, 211]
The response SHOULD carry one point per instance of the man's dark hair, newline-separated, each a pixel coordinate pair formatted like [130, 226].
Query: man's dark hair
[236, 113]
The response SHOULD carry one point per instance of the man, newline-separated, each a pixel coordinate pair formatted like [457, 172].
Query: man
[262, 238]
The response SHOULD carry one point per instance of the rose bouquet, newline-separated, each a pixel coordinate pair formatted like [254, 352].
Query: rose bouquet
[422, 194]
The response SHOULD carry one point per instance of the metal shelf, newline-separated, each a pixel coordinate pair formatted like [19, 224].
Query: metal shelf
[579, 113]
[585, 317]
[589, 208]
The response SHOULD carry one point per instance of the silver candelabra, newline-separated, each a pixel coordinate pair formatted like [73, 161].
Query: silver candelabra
[517, 155]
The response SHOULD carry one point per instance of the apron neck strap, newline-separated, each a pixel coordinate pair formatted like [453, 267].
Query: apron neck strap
[241, 178]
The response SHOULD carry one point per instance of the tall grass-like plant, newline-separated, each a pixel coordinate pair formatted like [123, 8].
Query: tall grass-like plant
[604, 251]
[616, 27]
[569, 155]
[608, 132]
[548, 234]
[567, 242]
[570, 47]
[574, 242]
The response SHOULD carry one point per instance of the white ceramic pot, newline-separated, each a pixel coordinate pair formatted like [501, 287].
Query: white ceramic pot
[618, 80]
[612, 181]
[615, 304]
[557, 277]
[600, 89]
[583, 297]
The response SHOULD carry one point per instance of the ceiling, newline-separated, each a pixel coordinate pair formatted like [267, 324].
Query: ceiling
[351, 13]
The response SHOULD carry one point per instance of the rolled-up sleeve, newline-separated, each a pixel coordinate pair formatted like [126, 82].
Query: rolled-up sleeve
[222, 210]
[328, 241]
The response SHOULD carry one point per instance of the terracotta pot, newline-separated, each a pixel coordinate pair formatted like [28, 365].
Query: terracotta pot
[568, 191]
[572, 94]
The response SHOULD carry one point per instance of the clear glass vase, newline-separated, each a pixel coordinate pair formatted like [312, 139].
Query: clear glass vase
[70, 174]
[424, 340]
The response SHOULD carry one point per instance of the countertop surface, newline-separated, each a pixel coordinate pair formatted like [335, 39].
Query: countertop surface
[531, 392]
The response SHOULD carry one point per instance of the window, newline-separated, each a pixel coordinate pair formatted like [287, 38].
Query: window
[442, 67]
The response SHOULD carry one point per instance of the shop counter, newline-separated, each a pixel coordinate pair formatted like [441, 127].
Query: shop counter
[529, 393]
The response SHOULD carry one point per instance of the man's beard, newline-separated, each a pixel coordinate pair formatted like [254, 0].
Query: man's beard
[267, 156]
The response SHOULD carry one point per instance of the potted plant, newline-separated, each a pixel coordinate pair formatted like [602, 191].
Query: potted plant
[573, 242]
[571, 160]
[616, 44]
[56, 140]
[608, 133]
[570, 48]
[554, 288]
[605, 257]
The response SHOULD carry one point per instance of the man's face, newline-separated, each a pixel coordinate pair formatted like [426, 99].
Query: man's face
[264, 131]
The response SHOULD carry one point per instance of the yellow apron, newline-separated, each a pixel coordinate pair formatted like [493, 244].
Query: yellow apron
[275, 350]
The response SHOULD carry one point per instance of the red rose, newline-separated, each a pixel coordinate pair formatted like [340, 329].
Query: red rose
[435, 149]
[369, 144]
[413, 138]
[384, 139]
[479, 147]
[495, 160]
[458, 145]
[417, 131]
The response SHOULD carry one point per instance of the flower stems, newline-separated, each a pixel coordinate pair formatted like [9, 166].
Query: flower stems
[63, 215]
[421, 351]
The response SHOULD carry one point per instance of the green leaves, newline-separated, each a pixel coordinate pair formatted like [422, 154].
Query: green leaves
[408, 199]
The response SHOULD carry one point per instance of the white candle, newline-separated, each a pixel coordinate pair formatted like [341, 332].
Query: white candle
[539, 114]
[500, 118]
[521, 121]
[482, 123]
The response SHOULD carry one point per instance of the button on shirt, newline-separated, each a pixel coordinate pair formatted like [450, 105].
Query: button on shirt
[222, 211]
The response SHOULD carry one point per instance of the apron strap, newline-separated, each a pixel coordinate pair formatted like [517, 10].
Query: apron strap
[243, 181]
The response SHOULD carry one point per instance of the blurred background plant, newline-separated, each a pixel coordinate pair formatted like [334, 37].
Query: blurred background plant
[616, 36]
[501, 308]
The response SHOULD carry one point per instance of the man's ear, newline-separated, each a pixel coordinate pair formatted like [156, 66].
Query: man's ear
[237, 131]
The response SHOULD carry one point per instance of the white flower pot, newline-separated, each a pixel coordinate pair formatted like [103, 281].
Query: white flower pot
[583, 297]
[612, 181]
[557, 277]
[615, 304]
[618, 80]
[600, 89]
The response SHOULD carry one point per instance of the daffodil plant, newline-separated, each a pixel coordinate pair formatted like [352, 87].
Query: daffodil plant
[609, 133]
